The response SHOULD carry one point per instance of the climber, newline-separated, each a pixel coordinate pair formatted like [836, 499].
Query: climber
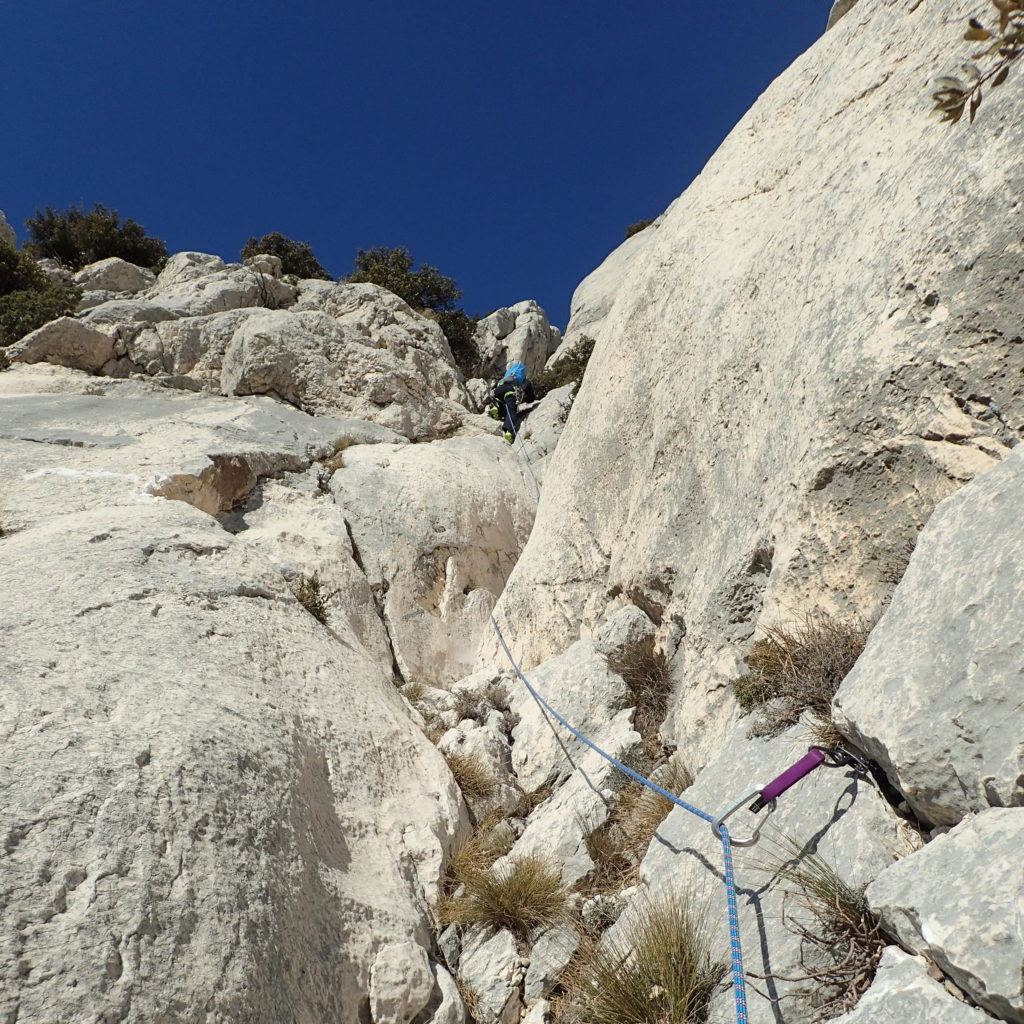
[507, 395]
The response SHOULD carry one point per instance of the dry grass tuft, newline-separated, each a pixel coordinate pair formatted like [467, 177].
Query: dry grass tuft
[797, 669]
[840, 955]
[472, 775]
[521, 896]
[618, 844]
[659, 972]
[646, 672]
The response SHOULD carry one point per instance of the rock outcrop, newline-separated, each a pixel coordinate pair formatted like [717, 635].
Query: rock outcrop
[519, 333]
[770, 421]
[936, 696]
[210, 784]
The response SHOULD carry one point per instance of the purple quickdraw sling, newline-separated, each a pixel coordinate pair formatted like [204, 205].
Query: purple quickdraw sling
[790, 777]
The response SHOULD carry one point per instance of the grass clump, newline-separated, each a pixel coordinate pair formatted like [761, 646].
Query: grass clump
[312, 597]
[646, 673]
[840, 951]
[618, 844]
[797, 669]
[471, 775]
[521, 896]
[638, 226]
[660, 971]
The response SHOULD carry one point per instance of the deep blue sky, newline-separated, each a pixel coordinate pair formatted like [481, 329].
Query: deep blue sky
[507, 144]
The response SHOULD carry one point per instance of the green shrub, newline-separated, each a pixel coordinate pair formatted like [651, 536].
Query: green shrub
[426, 288]
[797, 669]
[635, 229]
[296, 257]
[460, 330]
[75, 238]
[24, 311]
[312, 597]
[522, 896]
[19, 272]
[568, 369]
[660, 970]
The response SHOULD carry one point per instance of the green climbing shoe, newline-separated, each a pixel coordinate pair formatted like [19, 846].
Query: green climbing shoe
[509, 437]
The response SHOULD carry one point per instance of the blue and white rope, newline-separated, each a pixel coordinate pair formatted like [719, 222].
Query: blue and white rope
[736, 950]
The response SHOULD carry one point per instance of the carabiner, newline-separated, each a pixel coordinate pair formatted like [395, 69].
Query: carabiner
[733, 807]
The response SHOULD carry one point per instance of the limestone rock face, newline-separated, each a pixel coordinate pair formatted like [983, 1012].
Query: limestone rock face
[903, 993]
[65, 342]
[936, 696]
[315, 362]
[400, 983]
[519, 333]
[210, 785]
[765, 423]
[437, 529]
[115, 275]
[7, 235]
[960, 900]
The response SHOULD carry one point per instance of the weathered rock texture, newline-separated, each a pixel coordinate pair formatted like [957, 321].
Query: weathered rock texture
[214, 805]
[960, 901]
[437, 529]
[767, 421]
[936, 696]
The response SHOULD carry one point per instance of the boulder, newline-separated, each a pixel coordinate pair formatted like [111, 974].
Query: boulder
[519, 333]
[115, 275]
[65, 342]
[492, 969]
[194, 284]
[437, 529]
[380, 319]
[765, 424]
[313, 361]
[904, 993]
[579, 684]
[549, 958]
[401, 983]
[960, 901]
[117, 312]
[450, 1008]
[935, 697]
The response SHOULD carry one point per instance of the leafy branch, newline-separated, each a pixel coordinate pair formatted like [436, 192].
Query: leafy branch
[1006, 43]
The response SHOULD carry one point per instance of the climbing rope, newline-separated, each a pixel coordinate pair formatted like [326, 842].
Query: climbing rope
[763, 796]
[738, 982]
[739, 985]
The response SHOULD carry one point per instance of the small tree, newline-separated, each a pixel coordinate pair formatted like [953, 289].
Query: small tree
[296, 258]
[426, 288]
[75, 238]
